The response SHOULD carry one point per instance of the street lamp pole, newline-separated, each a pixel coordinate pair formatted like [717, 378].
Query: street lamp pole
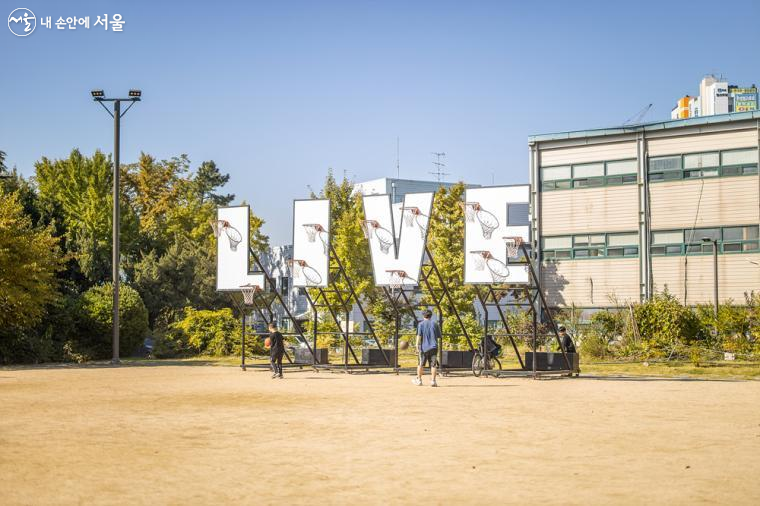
[715, 277]
[99, 96]
[715, 273]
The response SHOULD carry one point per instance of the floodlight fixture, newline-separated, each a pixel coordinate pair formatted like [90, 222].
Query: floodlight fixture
[135, 93]
[96, 94]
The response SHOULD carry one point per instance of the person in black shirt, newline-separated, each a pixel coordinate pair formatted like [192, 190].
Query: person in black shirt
[567, 342]
[276, 350]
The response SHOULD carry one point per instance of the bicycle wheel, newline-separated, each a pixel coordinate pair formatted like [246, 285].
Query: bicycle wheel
[495, 365]
[477, 364]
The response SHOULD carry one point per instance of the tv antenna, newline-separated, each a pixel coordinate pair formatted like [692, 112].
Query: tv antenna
[638, 116]
[439, 165]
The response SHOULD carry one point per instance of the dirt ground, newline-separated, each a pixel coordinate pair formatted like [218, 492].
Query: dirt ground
[209, 434]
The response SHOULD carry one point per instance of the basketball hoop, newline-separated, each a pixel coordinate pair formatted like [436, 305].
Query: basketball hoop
[218, 225]
[513, 246]
[301, 269]
[311, 231]
[488, 221]
[412, 215]
[396, 278]
[384, 238]
[470, 208]
[498, 269]
[249, 292]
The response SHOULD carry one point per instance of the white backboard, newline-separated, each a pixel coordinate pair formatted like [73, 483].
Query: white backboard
[397, 235]
[491, 215]
[311, 243]
[233, 268]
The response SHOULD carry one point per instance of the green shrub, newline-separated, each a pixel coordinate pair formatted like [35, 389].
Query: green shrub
[95, 315]
[207, 332]
[452, 331]
[664, 324]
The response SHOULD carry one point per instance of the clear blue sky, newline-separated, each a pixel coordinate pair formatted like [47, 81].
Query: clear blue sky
[277, 92]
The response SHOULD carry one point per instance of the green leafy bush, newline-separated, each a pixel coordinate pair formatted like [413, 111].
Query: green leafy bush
[452, 331]
[665, 324]
[95, 308]
[207, 332]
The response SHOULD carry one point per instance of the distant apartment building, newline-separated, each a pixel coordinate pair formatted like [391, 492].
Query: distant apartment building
[716, 96]
[622, 213]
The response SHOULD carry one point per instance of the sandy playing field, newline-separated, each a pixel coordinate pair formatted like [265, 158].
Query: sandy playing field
[206, 434]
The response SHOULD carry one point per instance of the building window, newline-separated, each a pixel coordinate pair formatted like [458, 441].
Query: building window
[737, 239]
[739, 162]
[517, 214]
[589, 175]
[284, 286]
[583, 246]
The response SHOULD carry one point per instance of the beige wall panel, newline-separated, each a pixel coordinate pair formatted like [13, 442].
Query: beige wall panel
[591, 283]
[584, 154]
[724, 201]
[736, 275]
[608, 209]
[702, 142]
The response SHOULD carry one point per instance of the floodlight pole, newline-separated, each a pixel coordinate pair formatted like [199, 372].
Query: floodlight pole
[116, 228]
[99, 96]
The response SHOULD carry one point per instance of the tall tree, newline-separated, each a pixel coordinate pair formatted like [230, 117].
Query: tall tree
[79, 187]
[29, 259]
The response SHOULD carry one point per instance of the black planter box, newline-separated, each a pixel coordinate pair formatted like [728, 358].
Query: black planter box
[552, 361]
[373, 356]
[457, 359]
[303, 356]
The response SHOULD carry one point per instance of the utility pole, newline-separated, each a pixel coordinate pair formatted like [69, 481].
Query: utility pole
[439, 165]
[100, 97]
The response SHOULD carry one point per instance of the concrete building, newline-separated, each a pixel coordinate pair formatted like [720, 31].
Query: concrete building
[716, 96]
[397, 188]
[620, 213]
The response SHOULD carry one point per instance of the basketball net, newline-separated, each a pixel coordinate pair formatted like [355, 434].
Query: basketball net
[513, 246]
[470, 209]
[396, 279]
[311, 231]
[248, 291]
[218, 225]
[297, 268]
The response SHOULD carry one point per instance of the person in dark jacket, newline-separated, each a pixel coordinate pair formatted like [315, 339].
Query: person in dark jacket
[567, 342]
[276, 350]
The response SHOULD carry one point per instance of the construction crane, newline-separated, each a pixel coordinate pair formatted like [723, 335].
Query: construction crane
[635, 119]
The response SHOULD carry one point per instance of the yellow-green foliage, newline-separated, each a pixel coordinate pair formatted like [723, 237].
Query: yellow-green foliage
[29, 259]
[203, 331]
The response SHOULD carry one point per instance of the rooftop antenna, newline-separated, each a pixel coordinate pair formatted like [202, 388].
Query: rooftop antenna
[636, 118]
[439, 165]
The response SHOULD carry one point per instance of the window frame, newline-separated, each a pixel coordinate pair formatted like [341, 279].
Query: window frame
[586, 249]
[707, 172]
[687, 247]
[584, 182]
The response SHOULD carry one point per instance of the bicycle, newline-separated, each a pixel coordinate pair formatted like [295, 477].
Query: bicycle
[491, 361]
